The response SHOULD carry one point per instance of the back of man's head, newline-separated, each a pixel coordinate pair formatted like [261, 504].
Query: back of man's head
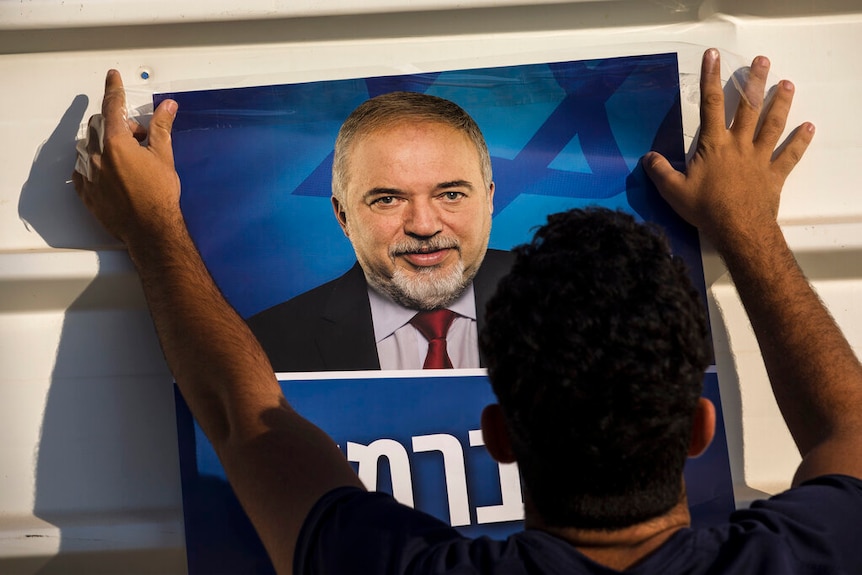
[597, 343]
[390, 109]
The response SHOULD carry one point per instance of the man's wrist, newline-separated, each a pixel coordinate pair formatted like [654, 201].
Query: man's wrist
[155, 245]
[733, 241]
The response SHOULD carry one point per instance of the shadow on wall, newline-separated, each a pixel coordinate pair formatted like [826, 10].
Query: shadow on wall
[48, 203]
[107, 470]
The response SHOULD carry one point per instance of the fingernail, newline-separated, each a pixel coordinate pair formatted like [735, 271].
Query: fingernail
[787, 85]
[712, 54]
[171, 107]
[761, 61]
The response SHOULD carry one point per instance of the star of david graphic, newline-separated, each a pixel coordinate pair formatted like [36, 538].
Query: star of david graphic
[256, 162]
[580, 121]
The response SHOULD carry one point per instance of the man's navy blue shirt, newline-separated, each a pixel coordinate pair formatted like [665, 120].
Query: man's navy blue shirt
[813, 528]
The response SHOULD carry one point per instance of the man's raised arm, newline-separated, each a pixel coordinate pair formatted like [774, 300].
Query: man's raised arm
[731, 192]
[278, 463]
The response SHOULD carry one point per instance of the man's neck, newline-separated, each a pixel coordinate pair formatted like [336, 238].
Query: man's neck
[619, 549]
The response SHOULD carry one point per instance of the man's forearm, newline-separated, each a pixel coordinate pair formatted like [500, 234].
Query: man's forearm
[731, 192]
[815, 375]
[278, 463]
[219, 367]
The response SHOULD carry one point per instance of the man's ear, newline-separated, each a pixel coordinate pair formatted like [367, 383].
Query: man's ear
[340, 215]
[496, 434]
[702, 427]
[491, 198]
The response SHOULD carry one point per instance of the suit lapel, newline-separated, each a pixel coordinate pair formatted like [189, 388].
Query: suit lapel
[346, 335]
[495, 265]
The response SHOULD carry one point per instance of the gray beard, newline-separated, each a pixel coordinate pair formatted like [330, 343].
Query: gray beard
[427, 289]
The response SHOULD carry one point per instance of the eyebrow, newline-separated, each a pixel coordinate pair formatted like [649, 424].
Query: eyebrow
[454, 184]
[377, 192]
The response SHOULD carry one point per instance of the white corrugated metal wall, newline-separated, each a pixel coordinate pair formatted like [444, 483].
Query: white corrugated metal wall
[89, 480]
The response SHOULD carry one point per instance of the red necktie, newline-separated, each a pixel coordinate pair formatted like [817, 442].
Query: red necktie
[433, 325]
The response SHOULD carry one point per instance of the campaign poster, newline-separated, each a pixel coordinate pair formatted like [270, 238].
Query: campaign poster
[255, 165]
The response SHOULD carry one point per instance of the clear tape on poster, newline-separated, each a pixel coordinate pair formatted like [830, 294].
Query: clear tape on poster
[734, 73]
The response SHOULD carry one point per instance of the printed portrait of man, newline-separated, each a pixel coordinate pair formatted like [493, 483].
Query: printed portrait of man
[412, 190]
[332, 213]
[350, 221]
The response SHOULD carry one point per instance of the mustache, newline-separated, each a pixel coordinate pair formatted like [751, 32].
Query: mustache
[417, 246]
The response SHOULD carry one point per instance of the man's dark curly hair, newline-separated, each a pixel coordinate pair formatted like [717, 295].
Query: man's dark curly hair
[596, 344]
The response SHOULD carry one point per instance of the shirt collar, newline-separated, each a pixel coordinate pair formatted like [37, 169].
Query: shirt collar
[388, 316]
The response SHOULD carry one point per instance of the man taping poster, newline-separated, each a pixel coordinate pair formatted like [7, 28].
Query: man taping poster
[436, 176]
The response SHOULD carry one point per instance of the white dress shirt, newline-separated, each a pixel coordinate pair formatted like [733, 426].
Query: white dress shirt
[401, 346]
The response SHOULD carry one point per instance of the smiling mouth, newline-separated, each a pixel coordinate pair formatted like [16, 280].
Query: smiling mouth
[424, 254]
[427, 257]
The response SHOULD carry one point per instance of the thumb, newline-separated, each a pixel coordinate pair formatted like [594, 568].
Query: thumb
[659, 170]
[669, 181]
[160, 129]
[671, 184]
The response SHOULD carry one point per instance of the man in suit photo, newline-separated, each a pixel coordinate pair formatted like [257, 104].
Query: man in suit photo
[412, 190]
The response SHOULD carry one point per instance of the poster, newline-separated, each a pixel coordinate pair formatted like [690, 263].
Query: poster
[255, 165]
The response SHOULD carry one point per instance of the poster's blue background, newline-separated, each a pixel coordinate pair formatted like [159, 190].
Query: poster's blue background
[220, 539]
[255, 162]
[255, 165]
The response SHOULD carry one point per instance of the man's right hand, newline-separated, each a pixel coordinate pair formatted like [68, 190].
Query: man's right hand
[731, 192]
[733, 183]
[133, 190]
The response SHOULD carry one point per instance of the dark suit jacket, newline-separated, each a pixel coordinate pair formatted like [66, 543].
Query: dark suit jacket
[329, 328]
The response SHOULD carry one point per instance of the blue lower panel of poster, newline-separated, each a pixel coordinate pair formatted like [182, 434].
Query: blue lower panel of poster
[416, 438]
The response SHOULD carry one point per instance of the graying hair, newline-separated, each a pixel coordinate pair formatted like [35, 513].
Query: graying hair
[389, 109]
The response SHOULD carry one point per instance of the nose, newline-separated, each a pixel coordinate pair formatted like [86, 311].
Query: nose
[422, 219]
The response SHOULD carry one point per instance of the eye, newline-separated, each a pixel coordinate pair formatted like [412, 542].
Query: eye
[384, 201]
[453, 196]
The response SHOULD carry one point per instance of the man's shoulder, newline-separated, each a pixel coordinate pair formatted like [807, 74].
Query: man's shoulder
[831, 498]
[309, 303]
[498, 259]
[495, 265]
[327, 328]
[806, 529]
